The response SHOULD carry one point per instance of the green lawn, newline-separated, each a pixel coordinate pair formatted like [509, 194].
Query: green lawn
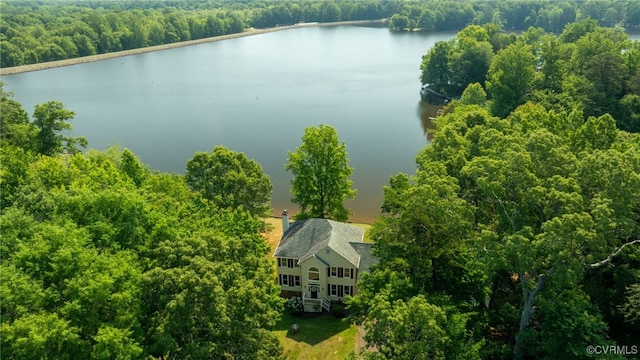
[324, 337]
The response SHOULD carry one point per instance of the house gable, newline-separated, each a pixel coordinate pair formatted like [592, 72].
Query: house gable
[306, 238]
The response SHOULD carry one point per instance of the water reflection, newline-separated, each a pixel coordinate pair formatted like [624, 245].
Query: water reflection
[426, 113]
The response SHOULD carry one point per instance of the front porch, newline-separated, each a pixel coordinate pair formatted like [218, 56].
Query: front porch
[315, 304]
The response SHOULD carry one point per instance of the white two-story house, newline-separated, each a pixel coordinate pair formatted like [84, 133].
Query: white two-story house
[321, 261]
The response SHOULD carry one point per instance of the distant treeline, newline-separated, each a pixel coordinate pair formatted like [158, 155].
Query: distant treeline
[552, 16]
[40, 31]
[34, 32]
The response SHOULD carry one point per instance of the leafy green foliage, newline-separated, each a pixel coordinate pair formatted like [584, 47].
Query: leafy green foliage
[15, 126]
[510, 218]
[418, 329]
[134, 169]
[321, 172]
[510, 78]
[51, 120]
[230, 180]
[102, 259]
[516, 15]
[587, 68]
[474, 94]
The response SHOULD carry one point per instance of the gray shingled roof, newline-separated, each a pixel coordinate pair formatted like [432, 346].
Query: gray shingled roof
[366, 257]
[307, 237]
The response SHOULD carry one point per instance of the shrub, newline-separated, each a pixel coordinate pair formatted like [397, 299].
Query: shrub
[338, 310]
[295, 305]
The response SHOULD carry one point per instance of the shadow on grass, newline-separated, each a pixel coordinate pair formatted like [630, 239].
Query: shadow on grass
[314, 329]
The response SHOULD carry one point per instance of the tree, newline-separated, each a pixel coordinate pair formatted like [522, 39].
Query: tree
[552, 63]
[508, 219]
[134, 169]
[510, 78]
[41, 336]
[102, 260]
[474, 94]
[435, 67]
[230, 180]
[630, 109]
[418, 329]
[399, 22]
[470, 58]
[321, 172]
[15, 127]
[51, 120]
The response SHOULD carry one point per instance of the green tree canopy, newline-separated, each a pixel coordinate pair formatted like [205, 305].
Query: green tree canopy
[321, 173]
[102, 259]
[51, 120]
[230, 180]
[15, 127]
[507, 218]
[510, 78]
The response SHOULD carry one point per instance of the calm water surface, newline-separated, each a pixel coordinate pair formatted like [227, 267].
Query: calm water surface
[255, 94]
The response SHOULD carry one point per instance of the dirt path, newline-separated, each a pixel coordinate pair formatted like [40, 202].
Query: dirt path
[273, 236]
[251, 31]
[360, 343]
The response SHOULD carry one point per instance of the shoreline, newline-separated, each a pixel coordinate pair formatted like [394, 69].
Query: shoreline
[249, 32]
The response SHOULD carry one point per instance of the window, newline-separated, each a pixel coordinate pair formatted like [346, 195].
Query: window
[334, 271]
[347, 273]
[334, 290]
[284, 280]
[290, 263]
[314, 274]
[296, 280]
[347, 290]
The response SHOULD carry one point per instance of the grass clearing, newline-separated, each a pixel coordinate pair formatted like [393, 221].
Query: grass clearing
[323, 337]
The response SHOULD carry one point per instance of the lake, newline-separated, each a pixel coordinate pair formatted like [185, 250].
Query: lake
[256, 95]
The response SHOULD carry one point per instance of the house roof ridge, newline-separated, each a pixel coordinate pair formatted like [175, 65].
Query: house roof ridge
[305, 238]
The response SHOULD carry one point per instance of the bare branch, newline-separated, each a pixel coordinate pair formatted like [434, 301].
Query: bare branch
[613, 254]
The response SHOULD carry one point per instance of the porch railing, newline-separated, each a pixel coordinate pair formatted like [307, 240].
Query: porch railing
[323, 302]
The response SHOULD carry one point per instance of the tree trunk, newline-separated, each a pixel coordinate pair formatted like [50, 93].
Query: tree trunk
[527, 310]
[525, 317]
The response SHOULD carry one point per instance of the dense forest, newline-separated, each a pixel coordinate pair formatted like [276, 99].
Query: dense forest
[104, 259]
[519, 234]
[586, 67]
[40, 31]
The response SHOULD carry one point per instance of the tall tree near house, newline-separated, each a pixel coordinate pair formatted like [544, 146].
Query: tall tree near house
[51, 120]
[321, 172]
[230, 180]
